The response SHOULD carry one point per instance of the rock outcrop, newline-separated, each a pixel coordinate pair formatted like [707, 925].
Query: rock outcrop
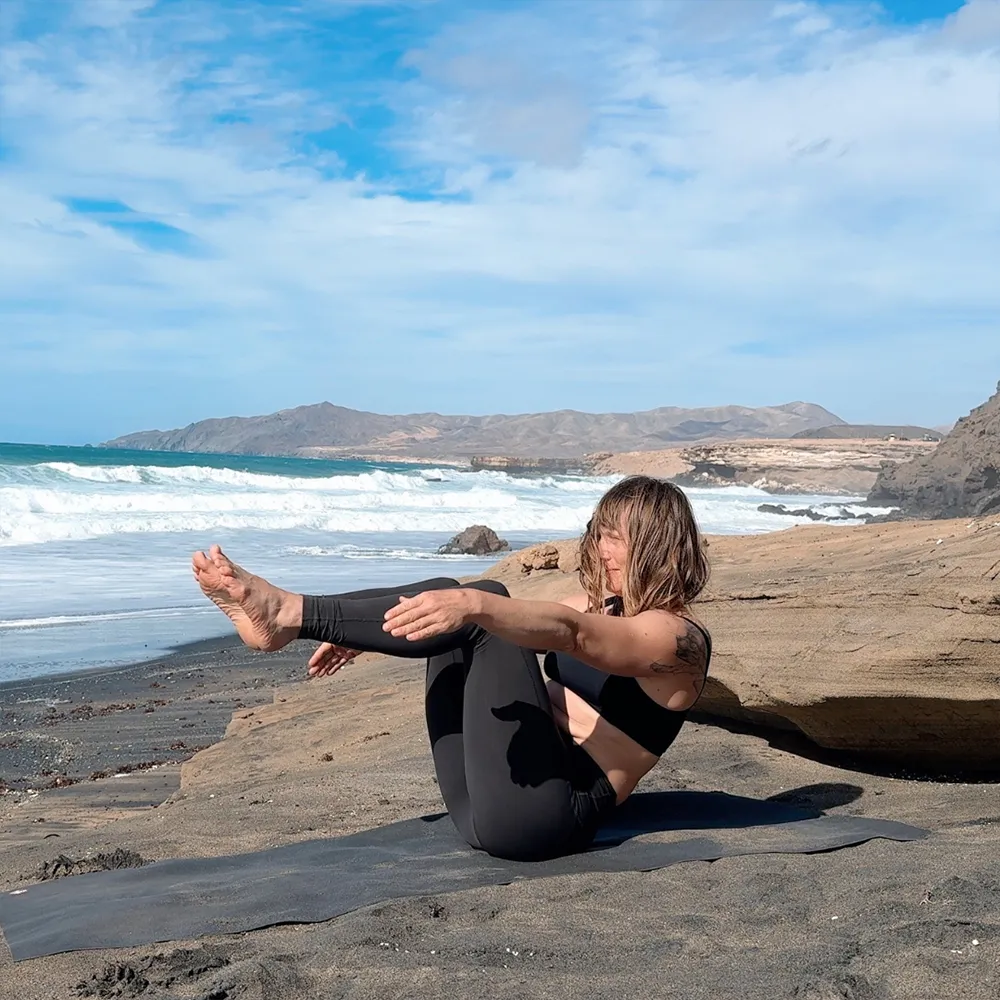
[881, 640]
[476, 540]
[844, 467]
[960, 479]
[516, 464]
[559, 555]
[826, 512]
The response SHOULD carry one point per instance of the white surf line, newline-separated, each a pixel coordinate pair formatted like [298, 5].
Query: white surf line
[23, 623]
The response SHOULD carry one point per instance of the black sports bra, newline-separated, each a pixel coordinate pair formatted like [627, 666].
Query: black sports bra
[621, 700]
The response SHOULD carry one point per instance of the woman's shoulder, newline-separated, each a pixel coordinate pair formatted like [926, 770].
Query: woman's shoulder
[678, 617]
[703, 629]
[578, 602]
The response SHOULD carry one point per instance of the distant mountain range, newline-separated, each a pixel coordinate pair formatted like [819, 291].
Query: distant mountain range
[324, 430]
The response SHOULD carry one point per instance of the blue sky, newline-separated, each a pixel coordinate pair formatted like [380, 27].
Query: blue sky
[211, 208]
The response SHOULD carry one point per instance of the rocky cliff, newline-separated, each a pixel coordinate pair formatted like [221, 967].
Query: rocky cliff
[794, 466]
[961, 478]
[562, 434]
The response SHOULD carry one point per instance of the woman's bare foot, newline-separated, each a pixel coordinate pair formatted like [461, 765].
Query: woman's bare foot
[265, 616]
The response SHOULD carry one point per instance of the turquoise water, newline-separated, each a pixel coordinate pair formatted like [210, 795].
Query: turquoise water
[35, 454]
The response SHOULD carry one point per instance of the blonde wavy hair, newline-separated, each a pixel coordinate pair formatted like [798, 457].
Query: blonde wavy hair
[665, 565]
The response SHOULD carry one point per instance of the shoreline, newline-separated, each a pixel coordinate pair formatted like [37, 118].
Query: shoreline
[63, 729]
[212, 644]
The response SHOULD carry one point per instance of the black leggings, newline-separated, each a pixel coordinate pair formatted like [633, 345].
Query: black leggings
[514, 784]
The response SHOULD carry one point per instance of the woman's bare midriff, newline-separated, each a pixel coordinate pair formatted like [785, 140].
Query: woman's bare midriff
[617, 755]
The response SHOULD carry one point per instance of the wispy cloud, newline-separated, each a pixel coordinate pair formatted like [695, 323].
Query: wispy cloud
[236, 207]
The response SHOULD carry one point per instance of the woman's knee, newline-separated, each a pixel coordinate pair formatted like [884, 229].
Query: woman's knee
[491, 586]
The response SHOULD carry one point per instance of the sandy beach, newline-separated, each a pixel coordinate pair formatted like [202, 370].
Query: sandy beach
[287, 760]
[372, 294]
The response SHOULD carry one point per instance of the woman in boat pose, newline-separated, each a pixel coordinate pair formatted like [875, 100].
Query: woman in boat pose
[528, 769]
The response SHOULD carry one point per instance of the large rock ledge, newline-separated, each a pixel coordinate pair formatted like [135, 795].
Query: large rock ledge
[881, 640]
[835, 466]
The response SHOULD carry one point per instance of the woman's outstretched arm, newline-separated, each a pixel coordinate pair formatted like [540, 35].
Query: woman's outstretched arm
[654, 644]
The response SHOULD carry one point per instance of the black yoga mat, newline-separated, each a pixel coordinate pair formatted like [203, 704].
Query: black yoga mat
[318, 879]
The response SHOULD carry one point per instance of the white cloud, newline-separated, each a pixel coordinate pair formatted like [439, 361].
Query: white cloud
[975, 26]
[510, 109]
[633, 190]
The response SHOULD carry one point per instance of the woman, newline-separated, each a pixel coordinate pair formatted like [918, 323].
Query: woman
[527, 769]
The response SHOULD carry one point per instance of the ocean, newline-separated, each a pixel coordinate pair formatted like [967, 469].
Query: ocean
[95, 543]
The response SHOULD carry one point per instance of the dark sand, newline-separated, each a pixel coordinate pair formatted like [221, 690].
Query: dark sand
[72, 727]
[881, 921]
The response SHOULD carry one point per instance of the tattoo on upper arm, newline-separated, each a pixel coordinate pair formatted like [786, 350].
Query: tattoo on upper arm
[692, 655]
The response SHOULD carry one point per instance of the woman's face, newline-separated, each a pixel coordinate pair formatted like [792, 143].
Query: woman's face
[612, 550]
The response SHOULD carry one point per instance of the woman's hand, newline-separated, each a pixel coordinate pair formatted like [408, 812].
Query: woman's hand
[328, 659]
[435, 612]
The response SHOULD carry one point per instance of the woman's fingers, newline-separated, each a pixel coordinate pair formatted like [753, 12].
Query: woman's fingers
[322, 656]
[327, 668]
[422, 628]
[422, 616]
[420, 621]
[408, 609]
[399, 631]
[321, 653]
[408, 621]
[424, 633]
[402, 618]
[328, 659]
[402, 605]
